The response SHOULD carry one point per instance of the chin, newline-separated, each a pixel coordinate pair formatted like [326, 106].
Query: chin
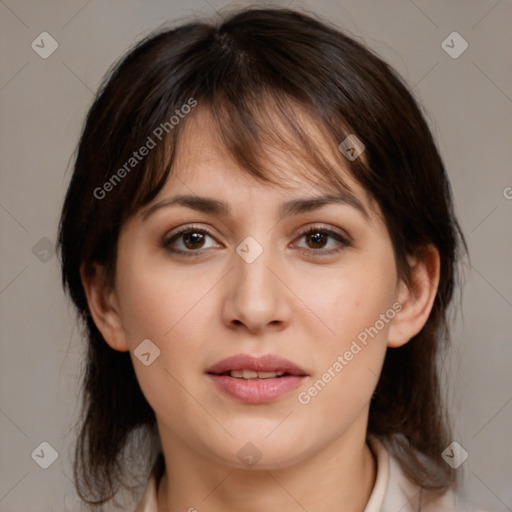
[255, 452]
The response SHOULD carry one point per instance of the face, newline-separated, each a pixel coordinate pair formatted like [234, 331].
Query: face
[309, 293]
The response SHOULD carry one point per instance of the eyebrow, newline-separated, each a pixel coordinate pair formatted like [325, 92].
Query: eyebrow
[219, 208]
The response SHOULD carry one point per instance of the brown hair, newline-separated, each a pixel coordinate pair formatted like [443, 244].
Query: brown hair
[245, 69]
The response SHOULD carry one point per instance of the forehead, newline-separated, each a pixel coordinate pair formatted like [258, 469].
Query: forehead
[207, 162]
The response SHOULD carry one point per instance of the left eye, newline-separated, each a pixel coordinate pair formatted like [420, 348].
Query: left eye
[193, 241]
[318, 238]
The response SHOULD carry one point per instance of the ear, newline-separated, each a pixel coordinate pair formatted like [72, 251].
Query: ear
[416, 298]
[103, 306]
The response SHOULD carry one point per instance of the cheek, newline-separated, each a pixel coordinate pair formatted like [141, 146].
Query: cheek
[167, 309]
[349, 363]
[352, 299]
[165, 303]
[155, 299]
[356, 304]
[161, 306]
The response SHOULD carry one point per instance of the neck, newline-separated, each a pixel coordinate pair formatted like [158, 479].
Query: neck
[340, 477]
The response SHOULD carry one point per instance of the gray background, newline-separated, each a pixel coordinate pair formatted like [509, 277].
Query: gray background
[43, 103]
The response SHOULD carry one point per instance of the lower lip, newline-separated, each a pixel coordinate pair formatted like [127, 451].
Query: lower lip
[256, 391]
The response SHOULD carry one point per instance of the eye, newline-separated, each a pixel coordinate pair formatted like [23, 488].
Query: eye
[192, 241]
[318, 237]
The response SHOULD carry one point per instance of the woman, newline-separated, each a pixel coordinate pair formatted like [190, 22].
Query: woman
[259, 237]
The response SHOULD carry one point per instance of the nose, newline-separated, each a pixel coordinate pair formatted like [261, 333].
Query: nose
[256, 298]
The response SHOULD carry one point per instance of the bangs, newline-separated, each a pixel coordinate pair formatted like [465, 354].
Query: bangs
[272, 137]
[268, 125]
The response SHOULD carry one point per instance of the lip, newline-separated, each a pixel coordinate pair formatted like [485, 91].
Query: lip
[266, 363]
[256, 391]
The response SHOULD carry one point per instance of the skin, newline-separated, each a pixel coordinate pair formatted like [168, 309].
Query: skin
[290, 301]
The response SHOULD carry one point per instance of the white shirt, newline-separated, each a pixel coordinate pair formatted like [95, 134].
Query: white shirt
[392, 491]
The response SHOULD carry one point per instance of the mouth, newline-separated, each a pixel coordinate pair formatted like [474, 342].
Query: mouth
[252, 374]
[256, 380]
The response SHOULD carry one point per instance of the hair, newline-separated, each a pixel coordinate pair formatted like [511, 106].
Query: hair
[249, 69]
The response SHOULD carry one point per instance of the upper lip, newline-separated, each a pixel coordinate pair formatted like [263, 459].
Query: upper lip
[266, 363]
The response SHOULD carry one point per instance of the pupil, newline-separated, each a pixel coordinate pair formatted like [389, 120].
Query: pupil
[315, 237]
[192, 239]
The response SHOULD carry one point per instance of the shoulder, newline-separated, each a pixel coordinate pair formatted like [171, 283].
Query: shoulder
[394, 491]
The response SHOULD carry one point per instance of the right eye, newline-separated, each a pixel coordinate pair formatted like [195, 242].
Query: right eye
[191, 238]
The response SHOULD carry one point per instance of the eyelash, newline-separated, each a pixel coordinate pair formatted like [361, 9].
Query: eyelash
[343, 241]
